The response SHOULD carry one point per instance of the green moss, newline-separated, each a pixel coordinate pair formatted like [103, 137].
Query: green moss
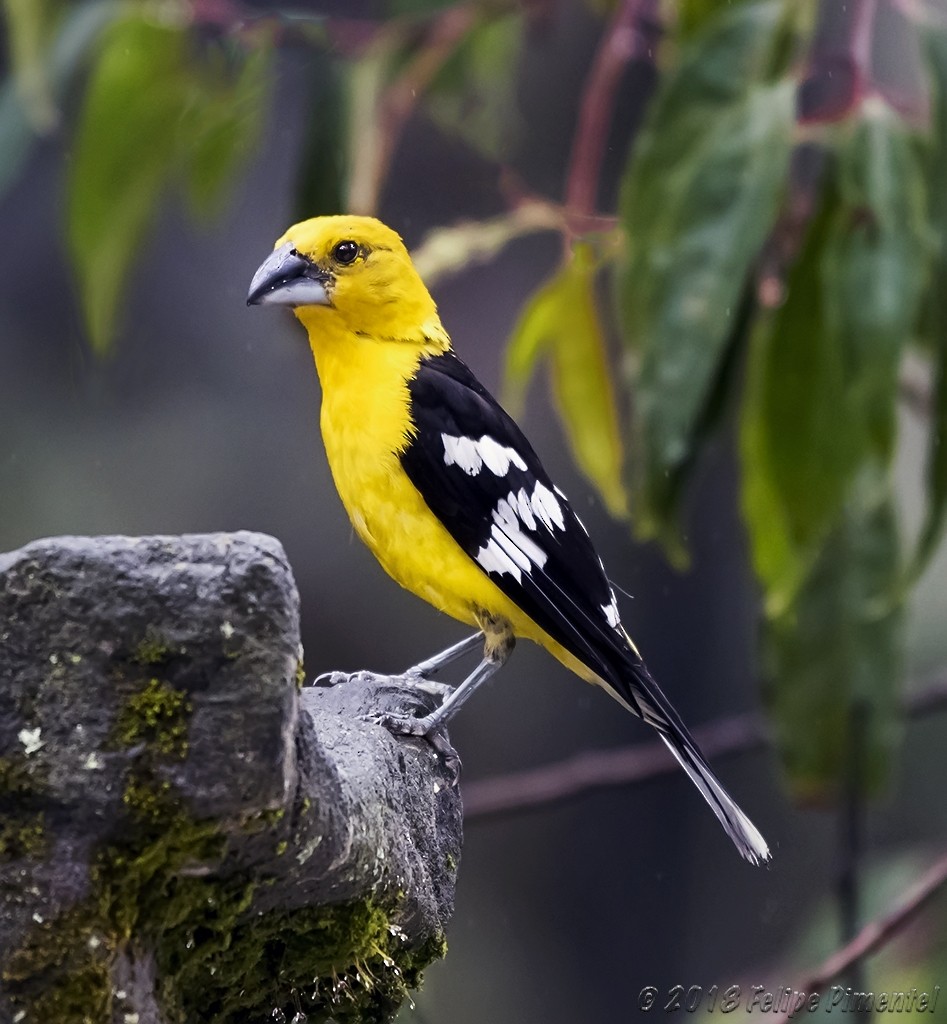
[152, 884]
[217, 962]
[23, 839]
[22, 825]
[21, 777]
[157, 716]
[168, 886]
[263, 821]
[222, 964]
[344, 963]
[146, 799]
[273, 816]
[152, 650]
[64, 969]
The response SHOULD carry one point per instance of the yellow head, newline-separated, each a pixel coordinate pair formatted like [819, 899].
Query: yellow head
[350, 273]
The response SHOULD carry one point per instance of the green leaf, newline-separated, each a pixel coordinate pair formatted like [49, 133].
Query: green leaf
[223, 119]
[699, 196]
[817, 439]
[876, 264]
[693, 16]
[934, 323]
[936, 467]
[125, 150]
[78, 29]
[798, 444]
[29, 25]
[473, 97]
[834, 657]
[561, 325]
[456, 247]
[822, 382]
[365, 84]
[153, 108]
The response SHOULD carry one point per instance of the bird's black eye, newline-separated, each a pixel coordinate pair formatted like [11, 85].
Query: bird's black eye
[345, 252]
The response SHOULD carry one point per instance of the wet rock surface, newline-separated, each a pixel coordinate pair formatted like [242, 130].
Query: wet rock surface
[185, 834]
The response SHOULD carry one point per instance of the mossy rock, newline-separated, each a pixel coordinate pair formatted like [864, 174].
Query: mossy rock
[186, 836]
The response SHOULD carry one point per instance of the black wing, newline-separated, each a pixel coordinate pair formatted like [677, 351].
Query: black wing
[481, 478]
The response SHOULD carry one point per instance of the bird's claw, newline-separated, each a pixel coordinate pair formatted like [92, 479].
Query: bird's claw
[331, 678]
[400, 725]
[405, 725]
[408, 680]
[415, 681]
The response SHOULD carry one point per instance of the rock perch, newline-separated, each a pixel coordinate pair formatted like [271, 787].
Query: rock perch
[186, 836]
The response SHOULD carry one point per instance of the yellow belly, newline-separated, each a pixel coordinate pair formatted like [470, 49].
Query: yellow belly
[360, 424]
[365, 413]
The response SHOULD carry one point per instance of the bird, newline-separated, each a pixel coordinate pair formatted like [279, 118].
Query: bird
[444, 488]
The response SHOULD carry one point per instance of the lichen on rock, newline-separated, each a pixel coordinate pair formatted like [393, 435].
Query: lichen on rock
[186, 836]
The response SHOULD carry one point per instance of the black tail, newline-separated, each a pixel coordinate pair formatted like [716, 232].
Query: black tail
[647, 700]
[739, 828]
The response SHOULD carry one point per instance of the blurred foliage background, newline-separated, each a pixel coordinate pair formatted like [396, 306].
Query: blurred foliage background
[719, 232]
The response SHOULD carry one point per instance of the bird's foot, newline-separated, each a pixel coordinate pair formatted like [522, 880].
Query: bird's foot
[402, 725]
[415, 681]
[336, 678]
[407, 680]
[427, 728]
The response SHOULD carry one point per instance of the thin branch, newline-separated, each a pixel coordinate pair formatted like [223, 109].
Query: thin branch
[350, 37]
[621, 43]
[916, 387]
[235, 18]
[562, 780]
[839, 76]
[450, 250]
[852, 813]
[442, 38]
[861, 34]
[876, 933]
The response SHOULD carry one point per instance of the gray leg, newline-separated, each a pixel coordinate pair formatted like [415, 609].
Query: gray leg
[456, 699]
[416, 678]
[445, 658]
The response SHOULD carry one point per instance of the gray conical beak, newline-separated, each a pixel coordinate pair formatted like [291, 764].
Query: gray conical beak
[286, 278]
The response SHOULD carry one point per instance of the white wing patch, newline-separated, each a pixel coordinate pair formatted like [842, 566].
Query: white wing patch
[541, 505]
[507, 524]
[520, 502]
[493, 559]
[497, 457]
[546, 507]
[510, 549]
[611, 612]
[472, 454]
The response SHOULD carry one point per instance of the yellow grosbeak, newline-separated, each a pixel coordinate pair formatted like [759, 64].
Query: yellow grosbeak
[446, 491]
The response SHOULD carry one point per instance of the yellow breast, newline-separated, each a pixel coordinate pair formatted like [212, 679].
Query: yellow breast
[366, 422]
